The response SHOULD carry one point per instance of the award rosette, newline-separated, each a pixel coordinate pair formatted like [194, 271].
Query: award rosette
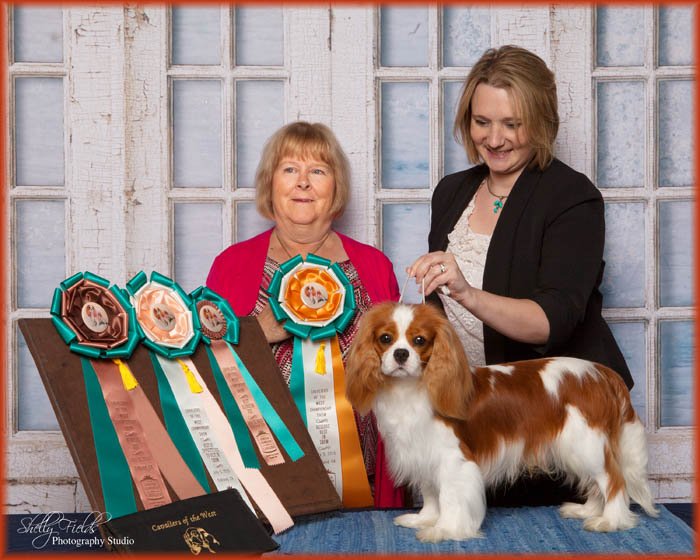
[315, 300]
[170, 324]
[131, 444]
[246, 406]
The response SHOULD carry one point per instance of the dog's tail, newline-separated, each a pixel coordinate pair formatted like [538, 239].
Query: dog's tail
[633, 460]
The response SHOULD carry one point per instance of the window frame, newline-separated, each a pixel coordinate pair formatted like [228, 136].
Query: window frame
[341, 87]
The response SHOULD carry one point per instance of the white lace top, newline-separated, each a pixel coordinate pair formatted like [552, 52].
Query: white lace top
[469, 249]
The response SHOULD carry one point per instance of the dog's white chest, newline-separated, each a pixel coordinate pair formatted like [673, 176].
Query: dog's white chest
[414, 439]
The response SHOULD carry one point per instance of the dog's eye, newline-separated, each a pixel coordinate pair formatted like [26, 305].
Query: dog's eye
[385, 338]
[419, 341]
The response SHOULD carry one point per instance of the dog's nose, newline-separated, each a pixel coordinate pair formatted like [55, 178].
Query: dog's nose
[401, 355]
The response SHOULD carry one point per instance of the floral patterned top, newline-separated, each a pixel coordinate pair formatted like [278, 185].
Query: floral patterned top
[469, 249]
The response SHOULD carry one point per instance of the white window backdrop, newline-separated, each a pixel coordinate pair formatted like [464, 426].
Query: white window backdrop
[135, 133]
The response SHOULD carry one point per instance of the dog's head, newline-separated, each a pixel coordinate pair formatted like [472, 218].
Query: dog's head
[398, 341]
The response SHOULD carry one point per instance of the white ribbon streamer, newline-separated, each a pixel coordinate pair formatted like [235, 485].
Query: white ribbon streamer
[321, 415]
[251, 479]
[193, 409]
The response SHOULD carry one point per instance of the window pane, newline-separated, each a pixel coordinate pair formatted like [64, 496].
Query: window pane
[198, 239]
[39, 131]
[619, 40]
[623, 281]
[455, 155]
[675, 254]
[621, 133]
[38, 34]
[259, 37]
[404, 37]
[405, 135]
[197, 147]
[676, 357]
[405, 238]
[632, 341]
[259, 113]
[676, 35]
[248, 222]
[41, 252]
[34, 411]
[196, 35]
[676, 133]
[466, 35]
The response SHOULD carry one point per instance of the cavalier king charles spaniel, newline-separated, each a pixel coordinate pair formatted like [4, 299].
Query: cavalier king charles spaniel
[451, 431]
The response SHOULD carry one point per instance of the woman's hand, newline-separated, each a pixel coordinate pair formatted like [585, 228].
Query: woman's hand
[440, 269]
[520, 319]
[273, 329]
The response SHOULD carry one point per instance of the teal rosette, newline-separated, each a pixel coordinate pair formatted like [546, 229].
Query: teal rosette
[315, 301]
[93, 318]
[313, 297]
[220, 329]
[165, 315]
[217, 321]
[97, 321]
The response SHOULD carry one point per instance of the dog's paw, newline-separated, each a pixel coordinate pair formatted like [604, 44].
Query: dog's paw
[414, 521]
[437, 534]
[604, 524]
[570, 510]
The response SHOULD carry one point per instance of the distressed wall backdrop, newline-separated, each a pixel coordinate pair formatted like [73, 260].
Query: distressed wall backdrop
[135, 133]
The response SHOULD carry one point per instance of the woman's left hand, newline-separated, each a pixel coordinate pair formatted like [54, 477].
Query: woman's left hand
[440, 269]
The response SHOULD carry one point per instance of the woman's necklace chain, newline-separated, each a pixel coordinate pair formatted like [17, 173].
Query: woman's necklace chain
[497, 204]
[313, 251]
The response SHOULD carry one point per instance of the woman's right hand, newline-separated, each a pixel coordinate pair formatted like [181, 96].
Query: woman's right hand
[439, 268]
[273, 329]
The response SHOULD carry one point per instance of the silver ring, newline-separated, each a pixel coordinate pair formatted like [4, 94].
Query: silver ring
[442, 268]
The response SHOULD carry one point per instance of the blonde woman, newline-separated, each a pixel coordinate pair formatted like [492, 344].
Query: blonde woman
[516, 242]
[303, 184]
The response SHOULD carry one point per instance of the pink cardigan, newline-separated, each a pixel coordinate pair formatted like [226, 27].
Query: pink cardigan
[236, 275]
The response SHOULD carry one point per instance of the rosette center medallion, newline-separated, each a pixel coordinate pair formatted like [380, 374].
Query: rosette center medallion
[312, 294]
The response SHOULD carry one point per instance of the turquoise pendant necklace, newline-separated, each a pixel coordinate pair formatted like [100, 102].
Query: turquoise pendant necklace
[498, 203]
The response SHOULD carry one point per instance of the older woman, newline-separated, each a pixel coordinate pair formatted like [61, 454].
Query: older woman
[303, 185]
[516, 242]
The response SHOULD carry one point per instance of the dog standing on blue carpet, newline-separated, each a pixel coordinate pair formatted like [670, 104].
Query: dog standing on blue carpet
[451, 431]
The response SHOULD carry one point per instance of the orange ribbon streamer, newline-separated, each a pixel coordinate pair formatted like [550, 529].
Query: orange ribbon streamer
[356, 490]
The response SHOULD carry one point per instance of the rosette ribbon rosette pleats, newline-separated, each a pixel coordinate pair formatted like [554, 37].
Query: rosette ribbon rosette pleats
[166, 316]
[245, 404]
[315, 300]
[131, 444]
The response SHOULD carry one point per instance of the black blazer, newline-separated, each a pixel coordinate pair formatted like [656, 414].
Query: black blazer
[547, 247]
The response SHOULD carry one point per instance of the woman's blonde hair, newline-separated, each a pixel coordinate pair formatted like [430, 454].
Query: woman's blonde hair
[306, 141]
[533, 90]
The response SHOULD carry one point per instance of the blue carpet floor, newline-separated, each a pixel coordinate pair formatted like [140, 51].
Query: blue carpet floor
[538, 529]
[505, 530]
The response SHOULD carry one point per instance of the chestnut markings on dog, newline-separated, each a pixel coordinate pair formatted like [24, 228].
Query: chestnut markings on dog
[451, 430]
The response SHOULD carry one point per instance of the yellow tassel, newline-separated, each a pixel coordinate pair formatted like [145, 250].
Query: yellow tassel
[195, 387]
[321, 359]
[128, 378]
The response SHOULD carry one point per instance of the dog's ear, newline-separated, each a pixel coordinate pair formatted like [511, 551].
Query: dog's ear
[363, 375]
[447, 376]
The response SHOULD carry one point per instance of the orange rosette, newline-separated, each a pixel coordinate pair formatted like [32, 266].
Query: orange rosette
[313, 295]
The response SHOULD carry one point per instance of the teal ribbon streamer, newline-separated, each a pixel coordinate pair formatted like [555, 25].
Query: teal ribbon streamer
[115, 476]
[269, 414]
[296, 380]
[235, 418]
[177, 427]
